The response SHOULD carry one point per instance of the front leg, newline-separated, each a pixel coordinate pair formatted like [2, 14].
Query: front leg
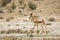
[41, 30]
[30, 33]
[45, 29]
[37, 29]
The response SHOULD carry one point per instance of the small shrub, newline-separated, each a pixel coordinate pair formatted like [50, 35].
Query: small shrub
[10, 10]
[58, 7]
[10, 31]
[32, 6]
[25, 31]
[20, 38]
[31, 30]
[12, 18]
[21, 1]
[5, 2]
[1, 17]
[9, 25]
[51, 19]
[17, 31]
[8, 20]
[1, 11]
[2, 32]
[17, 24]
[24, 27]
[14, 38]
[48, 24]
[31, 35]
[13, 6]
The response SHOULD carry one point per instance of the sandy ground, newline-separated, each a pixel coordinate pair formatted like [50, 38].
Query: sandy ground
[45, 9]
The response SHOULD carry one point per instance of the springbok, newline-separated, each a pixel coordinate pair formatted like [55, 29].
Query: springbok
[35, 20]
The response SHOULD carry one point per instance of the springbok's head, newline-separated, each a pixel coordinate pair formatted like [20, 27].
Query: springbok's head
[30, 16]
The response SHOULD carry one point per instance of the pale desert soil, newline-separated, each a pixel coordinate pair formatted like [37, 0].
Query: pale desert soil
[44, 9]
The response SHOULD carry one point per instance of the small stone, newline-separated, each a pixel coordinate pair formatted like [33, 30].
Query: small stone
[8, 25]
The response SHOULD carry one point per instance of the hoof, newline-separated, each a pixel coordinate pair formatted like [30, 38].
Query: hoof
[46, 32]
